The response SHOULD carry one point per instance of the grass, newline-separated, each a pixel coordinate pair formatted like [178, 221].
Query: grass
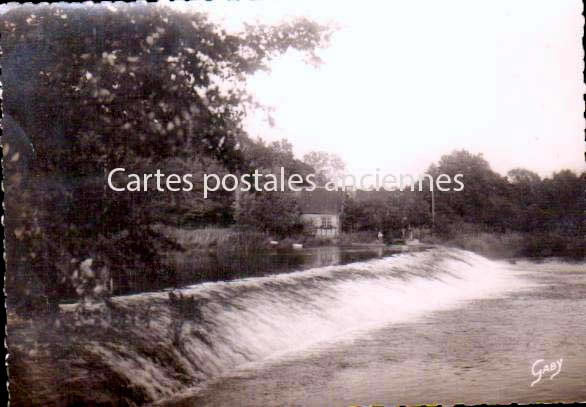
[235, 239]
[366, 236]
[516, 244]
[505, 245]
[216, 238]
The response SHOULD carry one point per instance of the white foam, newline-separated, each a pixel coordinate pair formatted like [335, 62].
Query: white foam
[257, 318]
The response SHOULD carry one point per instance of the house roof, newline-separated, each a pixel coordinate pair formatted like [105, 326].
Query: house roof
[320, 201]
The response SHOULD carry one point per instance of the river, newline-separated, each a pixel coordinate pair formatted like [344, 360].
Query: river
[445, 340]
[438, 326]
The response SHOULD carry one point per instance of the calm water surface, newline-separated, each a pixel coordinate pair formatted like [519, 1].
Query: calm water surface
[209, 266]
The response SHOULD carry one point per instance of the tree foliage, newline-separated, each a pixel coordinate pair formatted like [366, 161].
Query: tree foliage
[273, 212]
[89, 89]
[327, 166]
[551, 209]
[387, 211]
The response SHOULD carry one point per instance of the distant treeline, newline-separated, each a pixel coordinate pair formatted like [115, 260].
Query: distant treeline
[521, 201]
[546, 215]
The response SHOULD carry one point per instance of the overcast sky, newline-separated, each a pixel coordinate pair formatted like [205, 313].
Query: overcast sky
[405, 82]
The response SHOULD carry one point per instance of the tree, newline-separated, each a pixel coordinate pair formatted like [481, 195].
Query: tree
[327, 166]
[523, 176]
[478, 202]
[270, 158]
[564, 200]
[273, 212]
[101, 87]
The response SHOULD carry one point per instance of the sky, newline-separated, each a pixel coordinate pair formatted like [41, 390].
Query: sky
[404, 82]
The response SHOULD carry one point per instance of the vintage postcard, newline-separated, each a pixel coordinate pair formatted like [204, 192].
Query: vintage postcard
[294, 203]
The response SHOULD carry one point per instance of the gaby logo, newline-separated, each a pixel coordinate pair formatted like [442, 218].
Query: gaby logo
[541, 368]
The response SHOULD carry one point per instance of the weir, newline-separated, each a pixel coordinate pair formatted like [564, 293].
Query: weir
[163, 350]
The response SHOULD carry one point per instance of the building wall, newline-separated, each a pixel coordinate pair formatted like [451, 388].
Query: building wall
[326, 225]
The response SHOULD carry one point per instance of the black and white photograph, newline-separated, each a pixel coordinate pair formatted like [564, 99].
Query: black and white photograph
[294, 203]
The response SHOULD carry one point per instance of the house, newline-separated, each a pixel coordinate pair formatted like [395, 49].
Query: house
[321, 210]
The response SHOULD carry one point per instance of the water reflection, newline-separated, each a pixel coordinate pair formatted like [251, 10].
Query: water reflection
[332, 255]
[215, 267]
[199, 266]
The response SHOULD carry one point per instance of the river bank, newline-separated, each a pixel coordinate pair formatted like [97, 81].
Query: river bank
[514, 245]
[468, 237]
[230, 253]
[225, 254]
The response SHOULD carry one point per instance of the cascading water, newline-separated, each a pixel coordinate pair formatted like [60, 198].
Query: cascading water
[233, 323]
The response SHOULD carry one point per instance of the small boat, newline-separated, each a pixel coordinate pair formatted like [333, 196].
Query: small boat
[297, 246]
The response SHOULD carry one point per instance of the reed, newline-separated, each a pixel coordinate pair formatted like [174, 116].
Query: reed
[214, 237]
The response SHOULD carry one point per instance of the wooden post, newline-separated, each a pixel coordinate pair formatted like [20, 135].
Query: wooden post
[432, 208]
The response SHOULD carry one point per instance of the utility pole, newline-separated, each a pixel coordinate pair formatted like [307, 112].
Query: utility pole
[432, 209]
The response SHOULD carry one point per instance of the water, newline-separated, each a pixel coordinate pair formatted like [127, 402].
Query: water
[437, 326]
[205, 266]
[479, 351]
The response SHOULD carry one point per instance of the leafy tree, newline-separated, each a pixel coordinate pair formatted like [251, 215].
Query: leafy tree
[476, 203]
[523, 176]
[273, 212]
[190, 208]
[387, 211]
[95, 88]
[270, 158]
[565, 199]
[327, 166]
